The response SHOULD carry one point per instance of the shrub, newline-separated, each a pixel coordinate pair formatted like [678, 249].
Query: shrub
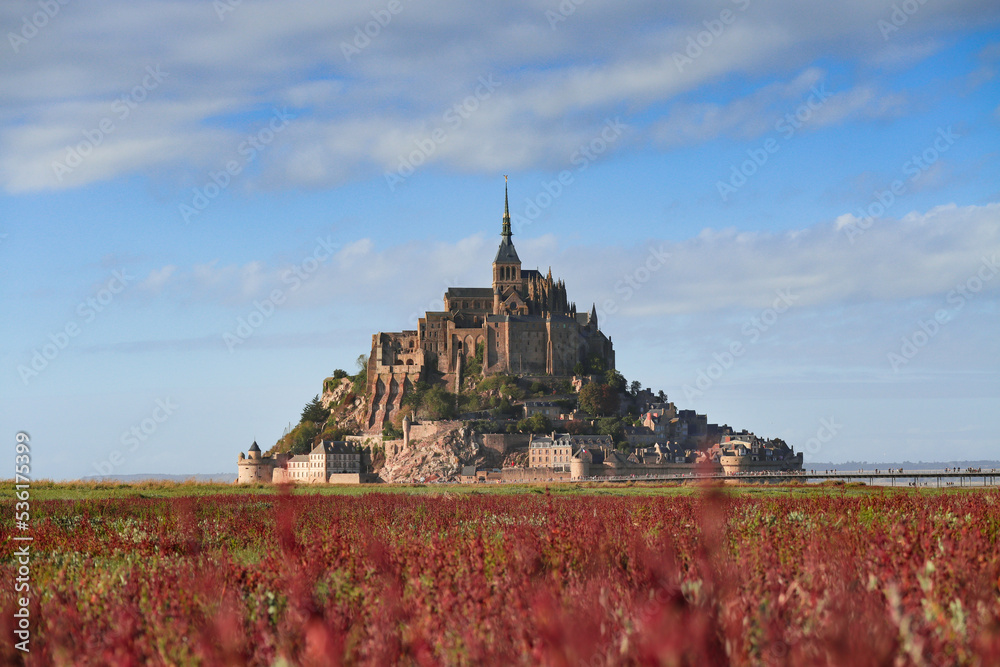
[536, 423]
[599, 399]
[610, 426]
[302, 438]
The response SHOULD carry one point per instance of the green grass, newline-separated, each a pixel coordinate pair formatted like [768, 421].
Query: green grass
[48, 490]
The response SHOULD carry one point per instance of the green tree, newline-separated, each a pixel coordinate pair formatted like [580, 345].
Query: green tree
[536, 423]
[474, 364]
[635, 387]
[361, 379]
[599, 399]
[616, 380]
[339, 374]
[414, 398]
[610, 426]
[505, 408]
[567, 404]
[438, 403]
[302, 438]
[314, 411]
[336, 433]
[486, 426]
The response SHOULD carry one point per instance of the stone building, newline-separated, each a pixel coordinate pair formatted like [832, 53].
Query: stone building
[550, 451]
[745, 453]
[253, 467]
[523, 324]
[549, 409]
[329, 462]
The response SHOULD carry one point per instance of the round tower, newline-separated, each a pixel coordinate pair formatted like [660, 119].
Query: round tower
[579, 465]
[253, 467]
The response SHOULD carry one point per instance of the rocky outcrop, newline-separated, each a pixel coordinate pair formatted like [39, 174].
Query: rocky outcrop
[347, 414]
[334, 391]
[436, 451]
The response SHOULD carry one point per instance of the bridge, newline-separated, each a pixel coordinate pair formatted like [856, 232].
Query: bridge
[894, 477]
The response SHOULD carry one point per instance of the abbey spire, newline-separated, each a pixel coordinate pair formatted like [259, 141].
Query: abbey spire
[507, 265]
[506, 213]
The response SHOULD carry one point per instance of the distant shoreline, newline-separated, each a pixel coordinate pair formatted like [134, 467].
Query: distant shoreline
[221, 477]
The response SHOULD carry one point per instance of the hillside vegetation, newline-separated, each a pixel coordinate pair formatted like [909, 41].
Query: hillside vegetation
[484, 404]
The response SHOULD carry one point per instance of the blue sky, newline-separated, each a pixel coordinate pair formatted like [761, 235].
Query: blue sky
[788, 215]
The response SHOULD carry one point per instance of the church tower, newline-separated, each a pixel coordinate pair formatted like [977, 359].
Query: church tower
[507, 265]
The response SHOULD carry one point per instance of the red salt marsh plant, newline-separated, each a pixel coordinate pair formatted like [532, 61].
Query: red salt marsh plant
[882, 578]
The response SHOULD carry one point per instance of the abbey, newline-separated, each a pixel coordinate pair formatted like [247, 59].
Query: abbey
[523, 324]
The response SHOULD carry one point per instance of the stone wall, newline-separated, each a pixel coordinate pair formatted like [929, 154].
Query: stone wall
[250, 471]
[345, 478]
[534, 475]
[362, 441]
[641, 470]
[427, 429]
[501, 443]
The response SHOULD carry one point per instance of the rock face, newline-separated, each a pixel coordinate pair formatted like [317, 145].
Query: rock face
[436, 451]
[350, 414]
[334, 391]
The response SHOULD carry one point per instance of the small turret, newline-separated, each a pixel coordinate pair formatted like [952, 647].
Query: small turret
[253, 467]
[579, 464]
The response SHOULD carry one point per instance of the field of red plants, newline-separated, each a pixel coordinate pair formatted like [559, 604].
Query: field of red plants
[881, 578]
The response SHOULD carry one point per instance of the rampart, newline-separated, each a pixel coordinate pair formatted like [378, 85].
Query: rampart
[533, 475]
[501, 443]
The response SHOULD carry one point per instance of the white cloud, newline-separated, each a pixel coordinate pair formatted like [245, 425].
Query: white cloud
[770, 107]
[157, 278]
[355, 118]
[919, 256]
